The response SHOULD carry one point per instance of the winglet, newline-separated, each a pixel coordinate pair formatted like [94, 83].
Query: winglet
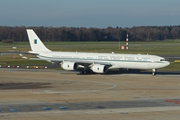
[35, 43]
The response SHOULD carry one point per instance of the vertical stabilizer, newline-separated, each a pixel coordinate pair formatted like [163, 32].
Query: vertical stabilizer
[35, 43]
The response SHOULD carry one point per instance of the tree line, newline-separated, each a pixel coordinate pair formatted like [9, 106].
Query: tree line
[141, 33]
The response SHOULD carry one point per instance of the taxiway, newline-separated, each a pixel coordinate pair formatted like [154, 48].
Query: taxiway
[54, 94]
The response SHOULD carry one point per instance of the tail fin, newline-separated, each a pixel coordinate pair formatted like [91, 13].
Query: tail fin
[35, 43]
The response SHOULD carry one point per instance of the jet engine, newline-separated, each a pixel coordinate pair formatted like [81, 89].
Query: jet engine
[97, 68]
[69, 65]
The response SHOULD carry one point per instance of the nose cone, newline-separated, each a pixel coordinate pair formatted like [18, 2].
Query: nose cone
[167, 63]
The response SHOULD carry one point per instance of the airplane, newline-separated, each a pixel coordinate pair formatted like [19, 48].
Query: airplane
[94, 62]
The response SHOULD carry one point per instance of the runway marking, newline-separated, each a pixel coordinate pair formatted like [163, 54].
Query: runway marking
[118, 83]
[63, 108]
[83, 91]
[12, 110]
[173, 101]
[46, 108]
[128, 110]
[104, 111]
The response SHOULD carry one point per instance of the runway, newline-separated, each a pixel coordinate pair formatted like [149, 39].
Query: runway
[57, 94]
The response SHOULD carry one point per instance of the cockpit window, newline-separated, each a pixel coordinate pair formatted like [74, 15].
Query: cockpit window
[163, 60]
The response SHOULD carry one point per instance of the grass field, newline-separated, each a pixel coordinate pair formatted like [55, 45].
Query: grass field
[169, 47]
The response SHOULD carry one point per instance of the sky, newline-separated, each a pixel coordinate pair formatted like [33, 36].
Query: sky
[89, 13]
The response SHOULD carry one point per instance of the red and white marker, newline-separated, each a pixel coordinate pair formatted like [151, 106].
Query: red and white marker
[127, 41]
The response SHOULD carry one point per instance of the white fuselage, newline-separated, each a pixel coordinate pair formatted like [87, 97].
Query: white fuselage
[127, 61]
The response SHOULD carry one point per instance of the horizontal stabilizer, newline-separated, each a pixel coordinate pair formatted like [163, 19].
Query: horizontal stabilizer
[35, 59]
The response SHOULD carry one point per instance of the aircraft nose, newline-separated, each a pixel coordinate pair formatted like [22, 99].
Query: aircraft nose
[167, 63]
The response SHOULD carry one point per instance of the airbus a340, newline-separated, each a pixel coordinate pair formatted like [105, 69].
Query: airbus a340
[95, 62]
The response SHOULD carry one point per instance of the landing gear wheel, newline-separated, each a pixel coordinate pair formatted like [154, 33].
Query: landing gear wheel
[81, 72]
[154, 72]
[86, 72]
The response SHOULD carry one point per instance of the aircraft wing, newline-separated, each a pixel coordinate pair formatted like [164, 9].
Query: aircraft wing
[18, 53]
[83, 62]
[79, 62]
[91, 62]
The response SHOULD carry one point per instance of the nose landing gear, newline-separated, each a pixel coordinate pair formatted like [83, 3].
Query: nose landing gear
[153, 72]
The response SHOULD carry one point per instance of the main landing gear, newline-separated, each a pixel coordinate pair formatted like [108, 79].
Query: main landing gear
[86, 72]
[153, 72]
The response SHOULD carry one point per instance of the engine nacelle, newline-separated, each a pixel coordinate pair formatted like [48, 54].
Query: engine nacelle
[97, 68]
[69, 66]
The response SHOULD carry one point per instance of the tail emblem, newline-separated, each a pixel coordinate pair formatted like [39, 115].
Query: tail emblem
[35, 41]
